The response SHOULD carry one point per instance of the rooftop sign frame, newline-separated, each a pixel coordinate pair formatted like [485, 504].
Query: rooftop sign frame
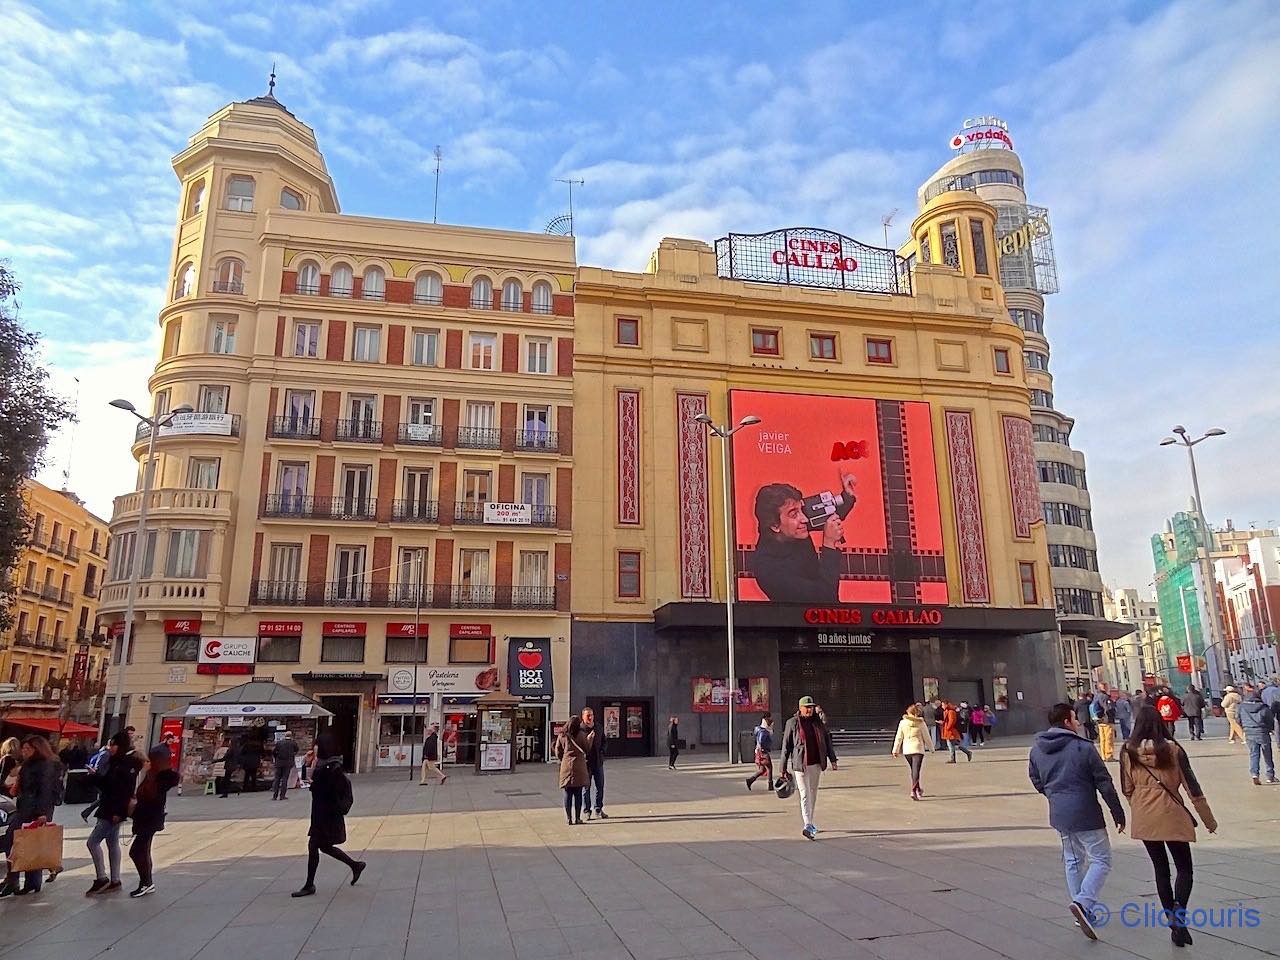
[812, 257]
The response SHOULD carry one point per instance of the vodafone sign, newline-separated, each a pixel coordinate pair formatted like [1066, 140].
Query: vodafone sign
[981, 132]
[229, 655]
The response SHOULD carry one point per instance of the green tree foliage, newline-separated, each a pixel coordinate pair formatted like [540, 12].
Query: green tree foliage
[29, 412]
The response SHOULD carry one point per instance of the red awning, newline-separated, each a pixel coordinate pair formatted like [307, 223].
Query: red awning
[68, 728]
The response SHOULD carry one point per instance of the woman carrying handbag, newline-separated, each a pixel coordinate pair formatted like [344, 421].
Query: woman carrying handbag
[38, 785]
[1154, 769]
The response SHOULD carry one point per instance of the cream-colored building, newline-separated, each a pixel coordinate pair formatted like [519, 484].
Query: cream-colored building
[1139, 656]
[57, 582]
[371, 398]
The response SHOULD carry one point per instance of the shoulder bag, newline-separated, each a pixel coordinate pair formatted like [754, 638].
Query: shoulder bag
[1176, 799]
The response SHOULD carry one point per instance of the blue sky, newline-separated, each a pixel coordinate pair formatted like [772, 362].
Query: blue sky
[1143, 127]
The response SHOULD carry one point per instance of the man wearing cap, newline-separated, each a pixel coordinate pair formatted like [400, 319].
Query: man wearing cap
[806, 749]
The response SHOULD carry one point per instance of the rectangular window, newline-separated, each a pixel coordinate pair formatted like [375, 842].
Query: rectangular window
[480, 416]
[474, 567]
[879, 351]
[213, 398]
[366, 344]
[764, 342]
[279, 649]
[950, 245]
[417, 488]
[470, 650]
[222, 335]
[629, 574]
[181, 647]
[537, 355]
[425, 343]
[202, 472]
[122, 555]
[362, 409]
[406, 650]
[1002, 360]
[534, 489]
[188, 554]
[822, 346]
[357, 489]
[299, 410]
[284, 574]
[979, 238]
[422, 412]
[1027, 576]
[162, 403]
[342, 649]
[306, 340]
[475, 485]
[533, 568]
[537, 426]
[172, 337]
[349, 570]
[481, 350]
[628, 332]
[291, 486]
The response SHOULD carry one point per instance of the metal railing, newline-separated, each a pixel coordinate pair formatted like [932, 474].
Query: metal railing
[539, 440]
[479, 438]
[83, 635]
[319, 508]
[57, 546]
[24, 638]
[540, 308]
[59, 645]
[308, 289]
[415, 511]
[365, 593]
[362, 431]
[339, 291]
[72, 553]
[472, 512]
[291, 427]
[91, 590]
[366, 294]
[429, 299]
[423, 434]
[228, 286]
[50, 593]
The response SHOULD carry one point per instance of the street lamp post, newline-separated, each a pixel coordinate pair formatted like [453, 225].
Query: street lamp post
[724, 433]
[1210, 586]
[417, 661]
[139, 547]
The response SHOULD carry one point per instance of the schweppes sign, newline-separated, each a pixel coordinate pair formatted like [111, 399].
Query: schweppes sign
[1037, 226]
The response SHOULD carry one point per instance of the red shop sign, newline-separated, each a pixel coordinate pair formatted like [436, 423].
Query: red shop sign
[879, 616]
[182, 626]
[343, 628]
[470, 630]
[395, 629]
[280, 628]
[116, 629]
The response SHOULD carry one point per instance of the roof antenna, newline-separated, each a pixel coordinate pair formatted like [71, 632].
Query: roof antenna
[271, 84]
[570, 183]
[435, 208]
[885, 222]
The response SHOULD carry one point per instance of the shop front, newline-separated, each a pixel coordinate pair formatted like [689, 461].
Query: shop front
[418, 696]
[531, 679]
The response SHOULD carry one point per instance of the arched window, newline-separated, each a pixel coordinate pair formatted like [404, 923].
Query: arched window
[195, 198]
[340, 281]
[184, 284]
[290, 200]
[512, 295]
[375, 285]
[309, 279]
[428, 289]
[482, 294]
[229, 276]
[240, 194]
[542, 297]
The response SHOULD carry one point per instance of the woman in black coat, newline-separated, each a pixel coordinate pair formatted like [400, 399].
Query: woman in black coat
[331, 801]
[39, 779]
[116, 778]
[148, 814]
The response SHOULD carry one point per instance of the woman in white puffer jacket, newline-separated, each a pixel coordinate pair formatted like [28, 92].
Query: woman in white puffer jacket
[913, 741]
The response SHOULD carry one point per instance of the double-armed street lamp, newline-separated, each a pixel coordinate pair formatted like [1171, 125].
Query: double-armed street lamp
[724, 433]
[139, 544]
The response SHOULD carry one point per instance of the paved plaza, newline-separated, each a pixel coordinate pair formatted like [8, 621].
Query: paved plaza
[689, 865]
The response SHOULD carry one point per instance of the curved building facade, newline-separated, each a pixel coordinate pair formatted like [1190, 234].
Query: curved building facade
[1028, 272]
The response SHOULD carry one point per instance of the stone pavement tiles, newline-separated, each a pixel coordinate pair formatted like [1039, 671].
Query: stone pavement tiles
[690, 865]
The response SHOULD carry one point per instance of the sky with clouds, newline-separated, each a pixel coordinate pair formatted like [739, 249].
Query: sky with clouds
[1144, 127]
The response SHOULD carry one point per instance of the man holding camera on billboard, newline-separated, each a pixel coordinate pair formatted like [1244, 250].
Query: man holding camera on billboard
[786, 565]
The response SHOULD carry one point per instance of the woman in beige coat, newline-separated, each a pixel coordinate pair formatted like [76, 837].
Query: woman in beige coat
[913, 741]
[1153, 771]
[1231, 707]
[571, 748]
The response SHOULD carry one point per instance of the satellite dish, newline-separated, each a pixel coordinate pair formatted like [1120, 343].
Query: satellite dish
[561, 226]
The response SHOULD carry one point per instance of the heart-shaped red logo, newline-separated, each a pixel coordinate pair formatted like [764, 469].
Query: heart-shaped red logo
[530, 658]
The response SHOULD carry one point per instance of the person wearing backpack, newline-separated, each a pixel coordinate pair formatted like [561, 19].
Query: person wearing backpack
[1170, 712]
[331, 801]
[764, 744]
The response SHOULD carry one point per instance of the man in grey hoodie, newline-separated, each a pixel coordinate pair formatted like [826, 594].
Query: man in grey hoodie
[1066, 768]
[1257, 721]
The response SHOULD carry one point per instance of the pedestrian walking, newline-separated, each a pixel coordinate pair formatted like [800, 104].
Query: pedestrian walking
[224, 765]
[158, 779]
[1231, 708]
[1103, 713]
[951, 734]
[595, 764]
[807, 749]
[963, 713]
[37, 782]
[1065, 767]
[939, 714]
[331, 801]
[1271, 697]
[1083, 706]
[1124, 716]
[431, 756]
[116, 780]
[673, 742]
[10, 761]
[1193, 709]
[764, 746]
[1153, 770]
[978, 726]
[251, 761]
[571, 751]
[282, 764]
[989, 721]
[1257, 721]
[1170, 712]
[913, 741]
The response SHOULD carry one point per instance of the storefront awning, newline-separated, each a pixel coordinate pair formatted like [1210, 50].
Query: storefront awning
[67, 728]
[257, 698]
[1095, 629]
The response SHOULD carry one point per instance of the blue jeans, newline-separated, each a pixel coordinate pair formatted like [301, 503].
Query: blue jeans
[1261, 750]
[961, 745]
[104, 829]
[937, 736]
[594, 775]
[1085, 883]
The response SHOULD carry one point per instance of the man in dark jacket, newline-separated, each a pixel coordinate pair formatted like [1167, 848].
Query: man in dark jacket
[282, 764]
[785, 564]
[806, 749]
[1066, 768]
[1256, 720]
[1083, 708]
[431, 756]
[595, 764]
[1193, 710]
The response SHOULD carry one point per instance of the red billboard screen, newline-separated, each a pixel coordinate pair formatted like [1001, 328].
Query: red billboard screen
[836, 500]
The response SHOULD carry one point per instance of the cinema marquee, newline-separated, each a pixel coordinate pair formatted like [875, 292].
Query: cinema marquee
[811, 257]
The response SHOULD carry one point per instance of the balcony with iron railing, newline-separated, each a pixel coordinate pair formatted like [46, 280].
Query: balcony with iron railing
[83, 635]
[24, 638]
[537, 441]
[429, 299]
[72, 553]
[420, 434]
[364, 593]
[295, 506]
[479, 438]
[50, 593]
[469, 512]
[228, 286]
[293, 427]
[39, 540]
[59, 645]
[57, 546]
[43, 641]
[415, 511]
[91, 590]
[359, 431]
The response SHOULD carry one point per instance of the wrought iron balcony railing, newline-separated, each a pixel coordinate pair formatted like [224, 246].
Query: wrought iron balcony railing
[319, 508]
[293, 427]
[366, 593]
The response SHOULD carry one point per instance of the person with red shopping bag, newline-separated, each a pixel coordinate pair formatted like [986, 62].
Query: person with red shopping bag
[35, 845]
